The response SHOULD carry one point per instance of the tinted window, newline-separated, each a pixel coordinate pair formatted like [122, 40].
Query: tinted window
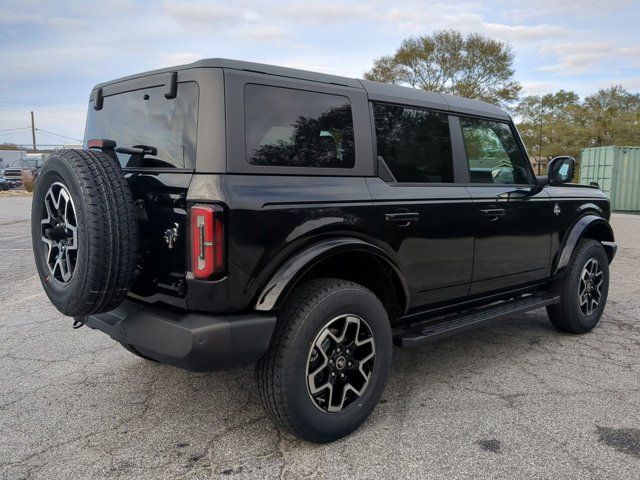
[492, 152]
[296, 128]
[415, 144]
[146, 117]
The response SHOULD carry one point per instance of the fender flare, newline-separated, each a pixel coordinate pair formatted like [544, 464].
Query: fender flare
[577, 232]
[298, 264]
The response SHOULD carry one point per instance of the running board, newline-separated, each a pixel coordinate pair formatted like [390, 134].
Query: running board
[422, 332]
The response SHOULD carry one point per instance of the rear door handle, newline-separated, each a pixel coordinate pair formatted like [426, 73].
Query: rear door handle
[492, 214]
[403, 219]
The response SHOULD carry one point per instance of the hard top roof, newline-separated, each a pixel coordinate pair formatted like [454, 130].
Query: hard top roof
[375, 90]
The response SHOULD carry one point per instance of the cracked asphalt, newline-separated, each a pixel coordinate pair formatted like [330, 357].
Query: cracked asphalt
[513, 400]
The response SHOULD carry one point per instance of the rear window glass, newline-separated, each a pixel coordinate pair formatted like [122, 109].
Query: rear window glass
[415, 144]
[146, 117]
[297, 128]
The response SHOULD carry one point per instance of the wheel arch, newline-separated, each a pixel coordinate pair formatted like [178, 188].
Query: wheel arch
[344, 258]
[588, 226]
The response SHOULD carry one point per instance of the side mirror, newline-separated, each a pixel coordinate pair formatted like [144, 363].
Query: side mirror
[561, 170]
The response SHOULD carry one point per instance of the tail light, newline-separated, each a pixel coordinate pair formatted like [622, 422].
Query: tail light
[207, 240]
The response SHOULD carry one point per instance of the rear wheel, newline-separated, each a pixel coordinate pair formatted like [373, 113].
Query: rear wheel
[328, 361]
[583, 289]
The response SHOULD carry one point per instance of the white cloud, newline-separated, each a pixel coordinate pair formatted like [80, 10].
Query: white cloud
[346, 65]
[580, 58]
[176, 58]
[207, 15]
[11, 17]
[261, 33]
[538, 87]
[53, 52]
[555, 8]
[631, 83]
[53, 60]
[523, 33]
[323, 13]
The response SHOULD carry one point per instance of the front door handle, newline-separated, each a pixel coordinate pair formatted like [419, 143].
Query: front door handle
[492, 214]
[403, 219]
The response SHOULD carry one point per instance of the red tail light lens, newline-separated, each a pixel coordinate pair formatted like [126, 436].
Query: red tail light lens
[207, 240]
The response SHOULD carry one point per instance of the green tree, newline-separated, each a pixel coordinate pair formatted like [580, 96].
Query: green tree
[562, 124]
[472, 66]
[611, 117]
[548, 123]
[9, 146]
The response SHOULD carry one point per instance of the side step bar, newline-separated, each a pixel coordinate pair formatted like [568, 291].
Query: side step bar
[427, 331]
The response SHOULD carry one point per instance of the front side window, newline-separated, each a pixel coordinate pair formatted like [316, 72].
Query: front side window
[493, 153]
[297, 128]
[415, 144]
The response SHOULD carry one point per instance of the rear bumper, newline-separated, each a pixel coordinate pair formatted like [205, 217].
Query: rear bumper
[192, 341]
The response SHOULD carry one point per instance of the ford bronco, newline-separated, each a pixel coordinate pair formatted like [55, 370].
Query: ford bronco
[226, 213]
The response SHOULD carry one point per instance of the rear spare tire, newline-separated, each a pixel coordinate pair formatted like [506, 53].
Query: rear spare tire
[84, 232]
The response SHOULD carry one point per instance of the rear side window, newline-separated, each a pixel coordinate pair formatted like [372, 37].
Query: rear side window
[415, 144]
[146, 117]
[492, 152]
[297, 128]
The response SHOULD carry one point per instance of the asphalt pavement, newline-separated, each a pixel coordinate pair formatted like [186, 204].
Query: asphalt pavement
[513, 400]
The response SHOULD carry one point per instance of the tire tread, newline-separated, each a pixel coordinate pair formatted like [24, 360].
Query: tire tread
[562, 314]
[271, 388]
[112, 231]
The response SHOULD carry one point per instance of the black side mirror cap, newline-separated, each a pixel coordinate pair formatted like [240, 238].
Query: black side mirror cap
[561, 170]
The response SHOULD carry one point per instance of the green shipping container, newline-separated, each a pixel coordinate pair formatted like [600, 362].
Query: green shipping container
[617, 171]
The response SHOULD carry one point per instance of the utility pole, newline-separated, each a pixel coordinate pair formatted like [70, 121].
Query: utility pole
[33, 132]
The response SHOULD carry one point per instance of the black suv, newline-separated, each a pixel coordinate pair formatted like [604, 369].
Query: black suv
[225, 213]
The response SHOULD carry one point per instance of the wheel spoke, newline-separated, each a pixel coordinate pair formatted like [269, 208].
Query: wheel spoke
[74, 236]
[59, 232]
[590, 286]
[49, 246]
[347, 350]
[583, 299]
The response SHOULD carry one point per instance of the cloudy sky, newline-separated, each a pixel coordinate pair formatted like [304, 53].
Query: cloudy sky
[53, 52]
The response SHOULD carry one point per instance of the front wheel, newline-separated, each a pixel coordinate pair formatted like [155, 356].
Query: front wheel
[583, 290]
[328, 361]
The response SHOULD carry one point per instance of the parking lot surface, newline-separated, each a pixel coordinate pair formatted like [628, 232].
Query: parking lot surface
[513, 400]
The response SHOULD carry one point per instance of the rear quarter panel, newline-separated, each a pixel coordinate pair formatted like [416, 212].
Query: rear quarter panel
[272, 216]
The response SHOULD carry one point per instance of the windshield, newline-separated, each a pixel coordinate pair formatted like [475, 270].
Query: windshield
[146, 117]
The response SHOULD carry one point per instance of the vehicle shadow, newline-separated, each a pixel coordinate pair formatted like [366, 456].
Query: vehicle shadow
[468, 361]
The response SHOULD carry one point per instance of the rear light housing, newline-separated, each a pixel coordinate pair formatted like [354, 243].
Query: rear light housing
[101, 143]
[207, 241]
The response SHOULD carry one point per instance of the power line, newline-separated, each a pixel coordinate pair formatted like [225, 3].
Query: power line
[8, 129]
[10, 133]
[50, 137]
[58, 135]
